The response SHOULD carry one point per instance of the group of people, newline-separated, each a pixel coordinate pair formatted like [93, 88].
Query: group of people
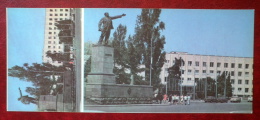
[172, 99]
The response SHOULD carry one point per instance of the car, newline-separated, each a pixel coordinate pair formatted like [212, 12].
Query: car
[235, 99]
[210, 99]
[222, 99]
[250, 99]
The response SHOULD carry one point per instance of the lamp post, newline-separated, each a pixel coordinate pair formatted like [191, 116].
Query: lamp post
[194, 86]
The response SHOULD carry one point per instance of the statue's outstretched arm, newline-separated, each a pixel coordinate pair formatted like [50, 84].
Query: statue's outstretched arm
[118, 16]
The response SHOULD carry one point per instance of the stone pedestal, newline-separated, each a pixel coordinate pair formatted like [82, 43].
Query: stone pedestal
[102, 64]
[101, 87]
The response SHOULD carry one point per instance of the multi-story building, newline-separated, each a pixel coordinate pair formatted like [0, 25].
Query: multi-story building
[202, 66]
[51, 38]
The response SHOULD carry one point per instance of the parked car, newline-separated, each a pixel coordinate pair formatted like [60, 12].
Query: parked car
[210, 99]
[250, 99]
[235, 99]
[222, 99]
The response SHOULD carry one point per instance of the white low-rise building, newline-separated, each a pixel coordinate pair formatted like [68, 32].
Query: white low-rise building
[202, 66]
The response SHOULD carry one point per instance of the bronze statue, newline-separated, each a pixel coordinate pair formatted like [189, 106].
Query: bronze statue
[26, 99]
[105, 25]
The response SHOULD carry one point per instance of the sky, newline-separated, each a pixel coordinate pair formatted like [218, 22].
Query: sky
[25, 35]
[206, 32]
[196, 31]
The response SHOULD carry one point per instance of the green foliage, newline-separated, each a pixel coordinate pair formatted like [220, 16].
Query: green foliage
[147, 36]
[40, 75]
[221, 84]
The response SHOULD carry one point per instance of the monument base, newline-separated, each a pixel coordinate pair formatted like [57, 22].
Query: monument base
[119, 94]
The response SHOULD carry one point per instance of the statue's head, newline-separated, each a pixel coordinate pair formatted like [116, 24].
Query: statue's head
[106, 14]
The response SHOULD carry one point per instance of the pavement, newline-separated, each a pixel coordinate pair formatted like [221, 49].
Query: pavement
[120, 105]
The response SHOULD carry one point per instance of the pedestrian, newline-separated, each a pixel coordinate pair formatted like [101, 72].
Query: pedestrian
[170, 99]
[181, 99]
[165, 98]
[160, 98]
[185, 99]
[174, 99]
[188, 99]
[177, 99]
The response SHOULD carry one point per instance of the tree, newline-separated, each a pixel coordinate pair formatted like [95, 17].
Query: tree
[175, 74]
[221, 84]
[120, 56]
[147, 39]
[41, 76]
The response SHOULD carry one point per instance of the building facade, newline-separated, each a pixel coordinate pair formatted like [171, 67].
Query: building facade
[202, 66]
[51, 38]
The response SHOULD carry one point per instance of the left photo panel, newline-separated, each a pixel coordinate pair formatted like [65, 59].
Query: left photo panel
[45, 56]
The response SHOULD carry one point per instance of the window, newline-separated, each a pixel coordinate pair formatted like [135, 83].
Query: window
[166, 69]
[165, 79]
[56, 14]
[204, 64]
[239, 65]
[232, 73]
[196, 79]
[239, 73]
[226, 65]
[55, 28]
[50, 28]
[54, 37]
[49, 46]
[239, 89]
[49, 42]
[189, 79]
[50, 23]
[189, 71]
[66, 10]
[66, 14]
[49, 37]
[53, 46]
[59, 47]
[61, 9]
[232, 81]
[56, 19]
[219, 72]
[218, 64]
[232, 65]
[61, 14]
[239, 81]
[50, 32]
[50, 14]
[61, 19]
[51, 10]
[246, 90]
[211, 71]
[211, 64]
[182, 71]
[204, 71]
[53, 42]
[196, 71]
[233, 89]
[50, 19]
[247, 82]
[246, 74]
[197, 63]
[247, 66]
[189, 63]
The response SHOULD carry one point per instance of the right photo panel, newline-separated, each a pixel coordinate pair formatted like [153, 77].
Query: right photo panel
[168, 60]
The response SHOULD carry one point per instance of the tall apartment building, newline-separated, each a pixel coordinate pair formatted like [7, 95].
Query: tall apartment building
[202, 66]
[51, 38]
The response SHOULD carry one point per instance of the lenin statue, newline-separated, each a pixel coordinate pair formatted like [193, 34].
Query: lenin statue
[105, 25]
